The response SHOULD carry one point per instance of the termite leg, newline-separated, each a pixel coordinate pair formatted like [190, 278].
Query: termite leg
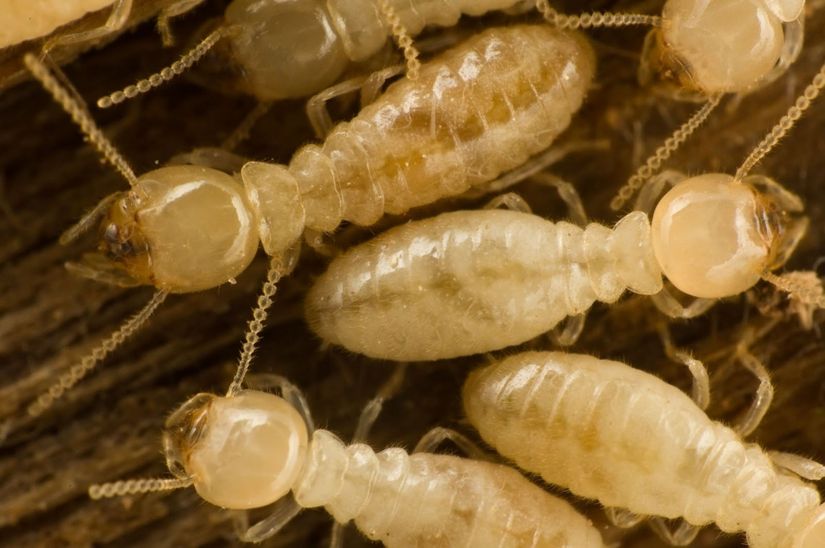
[283, 511]
[681, 535]
[438, 435]
[649, 194]
[178, 8]
[316, 107]
[121, 9]
[764, 393]
[568, 193]
[212, 157]
[291, 393]
[373, 408]
[511, 201]
[624, 519]
[536, 164]
[241, 133]
[701, 383]
[801, 466]
[374, 83]
[569, 330]
[670, 305]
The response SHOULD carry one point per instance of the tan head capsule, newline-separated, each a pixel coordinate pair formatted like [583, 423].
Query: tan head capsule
[181, 229]
[718, 46]
[240, 452]
[713, 238]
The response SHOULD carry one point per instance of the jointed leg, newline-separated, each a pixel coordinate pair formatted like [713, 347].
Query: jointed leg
[801, 466]
[116, 21]
[369, 85]
[538, 163]
[373, 408]
[178, 8]
[215, 158]
[569, 331]
[511, 201]
[701, 383]
[568, 193]
[284, 510]
[670, 306]
[438, 435]
[764, 393]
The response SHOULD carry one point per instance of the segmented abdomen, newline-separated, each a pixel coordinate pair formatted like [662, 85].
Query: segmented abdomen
[479, 109]
[432, 500]
[474, 281]
[616, 434]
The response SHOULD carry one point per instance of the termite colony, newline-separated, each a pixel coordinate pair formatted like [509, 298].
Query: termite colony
[457, 279]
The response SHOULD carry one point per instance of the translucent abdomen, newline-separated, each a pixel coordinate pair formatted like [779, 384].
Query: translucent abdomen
[436, 500]
[616, 434]
[479, 109]
[474, 281]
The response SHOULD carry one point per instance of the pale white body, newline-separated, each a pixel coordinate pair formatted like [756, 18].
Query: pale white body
[478, 110]
[22, 20]
[364, 31]
[430, 500]
[619, 435]
[474, 281]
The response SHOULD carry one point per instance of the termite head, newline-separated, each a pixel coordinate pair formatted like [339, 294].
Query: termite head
[715, 237]
[181, 229]
[286, 48]
[244, 451]
[705, 48]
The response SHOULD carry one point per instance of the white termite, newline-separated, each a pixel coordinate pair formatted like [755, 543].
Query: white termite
[475, 281]
[610, 432]
[700, 50]
[251, 449]
[477, 110]
[281, 49]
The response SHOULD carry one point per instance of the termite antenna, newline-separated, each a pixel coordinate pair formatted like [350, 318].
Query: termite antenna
[594, 19]
[80, 116]
[654, 162]
[784, 125]
[164, 75]
[402, 38]
[136, 487]
[804, 287]
[170, 12]
[77, 372]
[278, 268]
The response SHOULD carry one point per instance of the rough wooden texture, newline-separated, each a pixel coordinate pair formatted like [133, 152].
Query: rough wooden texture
[109, 427]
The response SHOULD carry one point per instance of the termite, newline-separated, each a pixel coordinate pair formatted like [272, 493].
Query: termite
[610, 432]
[475, 111]
[280, 49]
[700, 50]
[251, 448]
[474, 281]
